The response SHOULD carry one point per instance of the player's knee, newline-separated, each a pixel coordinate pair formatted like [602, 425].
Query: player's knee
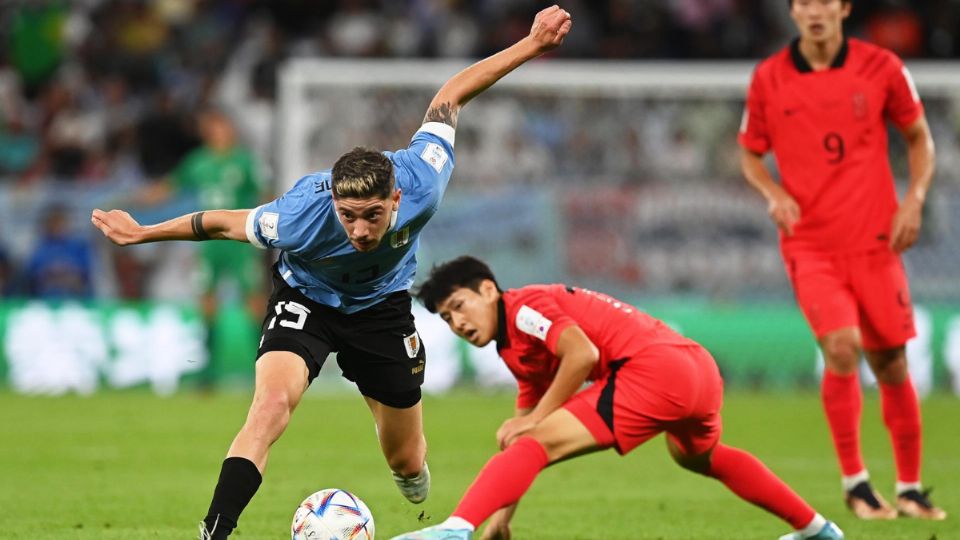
[889, 366]
[272, 408]
[841, 353]
[407, 462]
[699, 464]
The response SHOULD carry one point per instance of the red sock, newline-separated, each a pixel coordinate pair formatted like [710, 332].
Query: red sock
[753, 482]
[502, 481]
[843, 403]
[901, 414]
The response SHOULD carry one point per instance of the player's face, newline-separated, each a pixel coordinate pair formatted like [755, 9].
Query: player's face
[472, 314]
[366, 220]
[819, 20]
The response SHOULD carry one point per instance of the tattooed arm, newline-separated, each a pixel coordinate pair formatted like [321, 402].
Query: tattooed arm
[549, 28]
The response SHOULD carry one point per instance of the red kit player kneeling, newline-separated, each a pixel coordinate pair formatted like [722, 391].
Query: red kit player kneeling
[647, 379]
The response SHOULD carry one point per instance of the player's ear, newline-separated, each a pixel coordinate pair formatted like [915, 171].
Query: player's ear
[488, 290]
[846, 7]
[397, 194]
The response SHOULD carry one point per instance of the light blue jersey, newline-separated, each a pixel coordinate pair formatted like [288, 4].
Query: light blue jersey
[316, 256]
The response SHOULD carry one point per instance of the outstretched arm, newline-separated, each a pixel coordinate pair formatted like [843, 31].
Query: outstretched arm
[123, 230]
[549, 28]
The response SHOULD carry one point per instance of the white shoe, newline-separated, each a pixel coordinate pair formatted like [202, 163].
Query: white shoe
[435, 533]
[414, 489]
[830, 531]
[204, 533]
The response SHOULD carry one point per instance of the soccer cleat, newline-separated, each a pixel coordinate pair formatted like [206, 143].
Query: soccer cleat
[213, 533]
[916, 504]
[865, 503]
[435, 533]
[830, 531]
[414, 489]
[204, 533]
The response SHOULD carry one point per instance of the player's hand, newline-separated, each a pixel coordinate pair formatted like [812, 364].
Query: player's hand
[513, 428]
[784, 210]
[549, 28]
[118, 226]
[906, 225]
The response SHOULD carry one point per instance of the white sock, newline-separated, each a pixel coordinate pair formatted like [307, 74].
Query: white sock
[454, 522]
[815, 526]
[907, 486]
[850, 482]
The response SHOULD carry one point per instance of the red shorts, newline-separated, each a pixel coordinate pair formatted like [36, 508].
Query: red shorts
[676, 389]
[865, 290]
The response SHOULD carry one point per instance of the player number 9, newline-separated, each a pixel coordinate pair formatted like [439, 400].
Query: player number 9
[833, 144]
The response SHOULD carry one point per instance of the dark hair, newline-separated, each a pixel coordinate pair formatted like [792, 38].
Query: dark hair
[790, 2]
[463, 272]
[362, 173]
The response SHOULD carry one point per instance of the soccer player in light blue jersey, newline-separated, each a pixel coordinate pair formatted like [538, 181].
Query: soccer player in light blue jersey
[348, 238]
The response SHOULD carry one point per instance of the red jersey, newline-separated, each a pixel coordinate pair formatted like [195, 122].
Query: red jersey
[533, 317]
[827, 130]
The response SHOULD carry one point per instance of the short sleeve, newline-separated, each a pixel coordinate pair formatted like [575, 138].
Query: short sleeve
[903, 105]
[754, 135]
[284, 223]
[427, 163]
[541, 318]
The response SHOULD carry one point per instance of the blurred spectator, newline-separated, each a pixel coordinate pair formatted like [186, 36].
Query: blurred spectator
[61, 265]
[19, 145]
[164, 136]
[36, 41]
[6, 274]
[357, 29]
[109, 90]
[220, 174]
[898, 28]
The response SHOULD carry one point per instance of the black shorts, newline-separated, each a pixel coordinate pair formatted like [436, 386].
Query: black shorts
[378, 348]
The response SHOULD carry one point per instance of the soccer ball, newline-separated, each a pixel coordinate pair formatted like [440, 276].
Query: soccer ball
[332, 514]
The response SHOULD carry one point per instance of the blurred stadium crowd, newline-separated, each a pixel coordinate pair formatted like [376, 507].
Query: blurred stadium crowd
[100, 101]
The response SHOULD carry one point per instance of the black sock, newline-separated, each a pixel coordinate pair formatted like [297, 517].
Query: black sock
[239, 480]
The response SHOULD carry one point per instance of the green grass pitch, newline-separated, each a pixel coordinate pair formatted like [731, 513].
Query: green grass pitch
[132, 465]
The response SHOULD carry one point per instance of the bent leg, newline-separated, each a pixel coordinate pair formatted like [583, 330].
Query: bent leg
[509, 474]
[281, 380]
[749, 479]
[401, 436]
[400, 432]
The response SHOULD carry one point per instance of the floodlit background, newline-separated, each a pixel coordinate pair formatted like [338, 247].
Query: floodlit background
[609, 164]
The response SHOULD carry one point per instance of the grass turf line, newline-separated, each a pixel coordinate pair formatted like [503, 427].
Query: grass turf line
[132, 465]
